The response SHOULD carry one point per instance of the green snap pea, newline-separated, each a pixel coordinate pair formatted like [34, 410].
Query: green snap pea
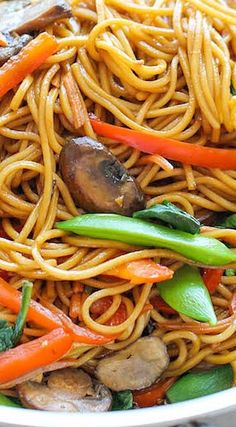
[198, 384]
[207, 251]
[187, 294]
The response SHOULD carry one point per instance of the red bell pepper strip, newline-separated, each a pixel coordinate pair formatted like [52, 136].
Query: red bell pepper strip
[51, 318]
[172, 149]
[152, 395]
[211, 278]
[160, 305]
[100, 306]
[35, 354]
[26, 61]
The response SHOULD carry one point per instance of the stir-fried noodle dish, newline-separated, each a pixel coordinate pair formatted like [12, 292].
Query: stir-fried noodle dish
[117, 202]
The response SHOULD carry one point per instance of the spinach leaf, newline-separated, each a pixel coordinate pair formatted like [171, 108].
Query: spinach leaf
[169, 213]
[230, 272]
[122, 400]
[10, 335]
[232, 90]
[228, 222]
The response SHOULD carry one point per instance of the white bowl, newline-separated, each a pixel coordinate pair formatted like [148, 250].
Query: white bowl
[161, 416]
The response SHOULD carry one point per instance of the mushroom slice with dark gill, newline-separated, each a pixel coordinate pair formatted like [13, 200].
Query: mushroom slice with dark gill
[97, 181]
[14, 45]
[136, 367]
[33, 16]
[69, 390]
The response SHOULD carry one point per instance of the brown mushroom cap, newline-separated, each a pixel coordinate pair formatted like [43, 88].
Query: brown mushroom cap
[136, 367]
[69, 390]
[97, 181]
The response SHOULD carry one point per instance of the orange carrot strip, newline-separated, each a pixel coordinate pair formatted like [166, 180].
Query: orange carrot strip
[152, 395]
[49, 317]
[212, 277]
[3, 40]
[35, 354]
[75, 306]
[78, 287]
[75, 100]
[28, 59]
[141, 271]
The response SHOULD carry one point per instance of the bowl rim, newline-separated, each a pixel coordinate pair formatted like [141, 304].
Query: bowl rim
[213, 404]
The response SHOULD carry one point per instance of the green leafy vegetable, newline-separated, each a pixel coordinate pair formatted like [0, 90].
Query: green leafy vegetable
[122, 400]
[230, 272]
[232, 90]
[198, 384]
[5, 401]
[187, 294]
[10, 335]
[229, 222]
[169, 213]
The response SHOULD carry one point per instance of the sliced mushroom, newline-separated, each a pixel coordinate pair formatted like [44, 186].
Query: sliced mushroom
[15, 44]
[70, 390]
[136, 367]
[35, 16]
[97, 181]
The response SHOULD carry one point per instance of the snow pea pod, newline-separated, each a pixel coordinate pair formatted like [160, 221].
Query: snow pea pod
[198, 384]
[205, 250]
[187, 294]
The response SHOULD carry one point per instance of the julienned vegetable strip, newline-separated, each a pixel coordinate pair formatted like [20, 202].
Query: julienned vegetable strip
[35, 354]
[212, 277]
[141, 271]
[153, 395]
[48, 319]
[207, 251]
[28, 59]
[3, 40]
[171, 149]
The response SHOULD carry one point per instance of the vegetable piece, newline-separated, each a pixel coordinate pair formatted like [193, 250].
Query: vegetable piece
[70, 390]
[122, 400]
[10, 335]
[230, 272]
[137, 366]
[3, 40]
[101, 305]
[153, 395]
[187, 294]
[51, 318]
[169, 213]
[141, 271]
[198, 384]
[28, 59]
[171, 149]
[229, 222]
[98, 181]
[74, 96]
[212, 277]
[5, 401]
[232, 90]
[14, 44]
[31, 16]
[159, 304]
[205, 250]
[28, 357]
